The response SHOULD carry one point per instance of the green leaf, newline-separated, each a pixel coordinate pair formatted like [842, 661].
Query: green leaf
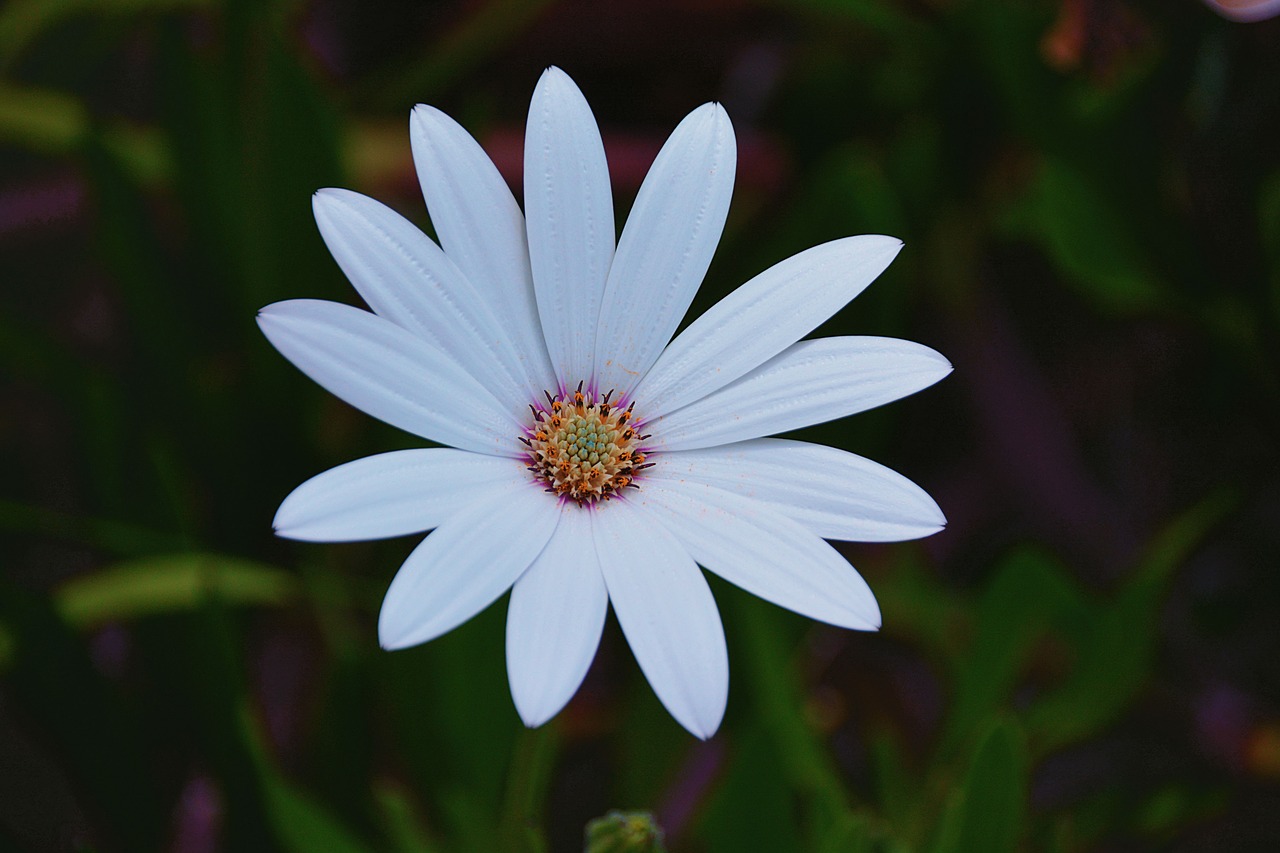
[1115, 655]
[894, 786]
[916, 606]
[986, 815]
[1001, 37]
[172, 583]
[776, 693]
[1169, 810]
[1177, 541]
[303, 825]
[400, 821]
[851, 834]
[132, 246]
[1028, 594]
[455, 684]
[750, 809]
[524, 801]
[1090, 241]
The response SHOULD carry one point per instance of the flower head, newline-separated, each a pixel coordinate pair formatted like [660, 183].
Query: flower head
[590, 459]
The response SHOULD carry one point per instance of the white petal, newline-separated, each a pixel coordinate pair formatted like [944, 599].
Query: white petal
[834, 493]
[392, 494]
[482, 230]
[409, 280]
[569, 207]
[666, 247]
[1246, 11]
[752, 546]
[389, 373]
[808, 383]
[555, 619]
[462, 568]
[667, 613]
[762, 318]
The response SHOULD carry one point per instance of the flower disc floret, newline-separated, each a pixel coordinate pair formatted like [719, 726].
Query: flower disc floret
[584, 449]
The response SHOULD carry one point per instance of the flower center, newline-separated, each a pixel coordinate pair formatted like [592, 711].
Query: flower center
[584, 449]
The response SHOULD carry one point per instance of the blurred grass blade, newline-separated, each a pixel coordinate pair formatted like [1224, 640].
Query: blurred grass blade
[1002, 38]
[100, 739]
[750, 808]
[24, 21]
[525, 800]
[895, 786]
[401, 824]
[57, 124]
[167, 584]
[112, 537]
[809, 767]
[1027, 596]
[297, 131]
[135, 254]
[8, 646]
[918, 607]
[43, 120]
[454, 684]
[987, 814]
[1176, 542]
[303, 825]
[29, 355]
[1115, 659]
[851, 834]
[479, 35]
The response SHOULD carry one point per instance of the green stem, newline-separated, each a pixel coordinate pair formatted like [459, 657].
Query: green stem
[531, 764]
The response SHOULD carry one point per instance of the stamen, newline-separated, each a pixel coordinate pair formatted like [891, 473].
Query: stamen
[582, 448]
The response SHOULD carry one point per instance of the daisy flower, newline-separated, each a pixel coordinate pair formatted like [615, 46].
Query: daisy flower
[590, 459]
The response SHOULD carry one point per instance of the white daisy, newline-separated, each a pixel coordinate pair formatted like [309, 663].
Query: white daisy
[591, 459]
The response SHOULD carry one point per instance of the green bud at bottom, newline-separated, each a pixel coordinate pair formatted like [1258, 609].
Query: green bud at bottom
[624, 832]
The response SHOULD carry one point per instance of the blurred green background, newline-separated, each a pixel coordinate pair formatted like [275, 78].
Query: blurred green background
[1085, 660]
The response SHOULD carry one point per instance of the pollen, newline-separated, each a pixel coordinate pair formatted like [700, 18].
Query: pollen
[584, 449]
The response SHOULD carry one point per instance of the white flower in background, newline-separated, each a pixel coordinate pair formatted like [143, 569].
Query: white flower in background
[591, 459]
[1245, 10]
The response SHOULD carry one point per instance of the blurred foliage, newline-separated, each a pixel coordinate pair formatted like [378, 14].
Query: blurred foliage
[1079, 172]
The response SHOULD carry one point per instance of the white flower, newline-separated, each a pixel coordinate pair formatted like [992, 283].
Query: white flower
[1245, 10]
[589, 461]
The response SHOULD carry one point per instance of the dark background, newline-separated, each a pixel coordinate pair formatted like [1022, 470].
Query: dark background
[1084, 660]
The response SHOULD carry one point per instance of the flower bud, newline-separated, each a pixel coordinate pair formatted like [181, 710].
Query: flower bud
[624, 832]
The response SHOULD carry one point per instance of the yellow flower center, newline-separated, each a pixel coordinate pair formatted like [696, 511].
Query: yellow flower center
[582, 448]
